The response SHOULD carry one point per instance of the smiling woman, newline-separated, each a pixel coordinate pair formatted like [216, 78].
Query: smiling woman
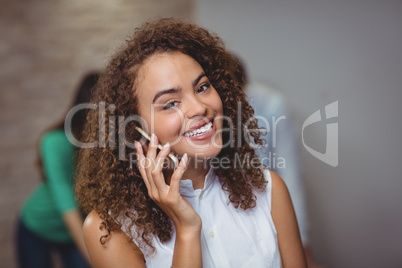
[180, 80]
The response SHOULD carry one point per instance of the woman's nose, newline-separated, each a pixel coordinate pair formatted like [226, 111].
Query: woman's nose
[196, 107]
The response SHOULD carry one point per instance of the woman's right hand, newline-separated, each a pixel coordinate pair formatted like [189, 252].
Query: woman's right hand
[167, 197]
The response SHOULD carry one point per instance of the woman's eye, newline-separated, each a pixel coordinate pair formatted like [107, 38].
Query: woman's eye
[170, 104]
[203, 87]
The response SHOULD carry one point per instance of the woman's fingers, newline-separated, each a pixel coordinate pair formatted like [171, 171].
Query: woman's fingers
[144, 145]
[156, 172]
[167, 197]
[151, 152]
[178, 174]
[151, 169]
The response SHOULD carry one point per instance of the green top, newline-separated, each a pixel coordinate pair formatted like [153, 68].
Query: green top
[42, 212]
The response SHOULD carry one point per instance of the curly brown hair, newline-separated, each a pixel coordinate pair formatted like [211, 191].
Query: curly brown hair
[108, 184]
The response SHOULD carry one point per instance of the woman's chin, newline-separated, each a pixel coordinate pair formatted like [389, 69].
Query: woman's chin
[202, 155]
[198, 152]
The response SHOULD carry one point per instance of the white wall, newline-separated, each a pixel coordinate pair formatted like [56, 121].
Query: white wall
[317, 52]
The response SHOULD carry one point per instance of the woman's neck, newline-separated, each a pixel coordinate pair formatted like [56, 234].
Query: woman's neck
[196, 172]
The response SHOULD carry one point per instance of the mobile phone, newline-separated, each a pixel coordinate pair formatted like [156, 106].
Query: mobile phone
[171, 155]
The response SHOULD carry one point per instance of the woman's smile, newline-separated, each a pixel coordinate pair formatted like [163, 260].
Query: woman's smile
[201, 130]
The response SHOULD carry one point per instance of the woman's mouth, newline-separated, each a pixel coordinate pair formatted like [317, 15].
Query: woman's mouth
[200, 131]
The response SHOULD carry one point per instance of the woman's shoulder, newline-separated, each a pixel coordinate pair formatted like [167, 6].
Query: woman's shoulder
[117, 251]
[55, 134]
[273, 180]
[277, 183]
[95, 228]
[92, 224]
[275, 189]
[56, 138]
[280, 197]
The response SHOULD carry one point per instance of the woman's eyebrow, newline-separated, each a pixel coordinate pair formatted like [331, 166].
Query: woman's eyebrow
[201, 75]
[176, 89]
[166, 91]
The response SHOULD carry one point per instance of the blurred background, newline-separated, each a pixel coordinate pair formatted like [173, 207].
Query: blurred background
[314, 52]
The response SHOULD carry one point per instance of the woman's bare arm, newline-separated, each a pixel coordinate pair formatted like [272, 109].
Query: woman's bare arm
[290, 245]
[118, 251]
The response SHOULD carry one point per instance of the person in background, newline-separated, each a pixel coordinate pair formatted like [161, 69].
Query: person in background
[50, 219]
[281, 154]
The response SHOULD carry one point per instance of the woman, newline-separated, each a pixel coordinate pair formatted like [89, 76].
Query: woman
[50, 219]
[217, 208]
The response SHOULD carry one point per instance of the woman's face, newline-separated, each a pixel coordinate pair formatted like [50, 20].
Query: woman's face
[179, 105]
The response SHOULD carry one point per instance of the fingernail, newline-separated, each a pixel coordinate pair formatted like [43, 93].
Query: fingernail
[137, 144]
[153, 138]
[184, 158]
[167, 145]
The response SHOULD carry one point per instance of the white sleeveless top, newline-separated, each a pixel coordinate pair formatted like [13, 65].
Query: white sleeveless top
[230, 237]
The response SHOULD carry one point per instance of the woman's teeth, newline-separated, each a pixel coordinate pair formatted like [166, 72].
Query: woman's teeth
[201, 131]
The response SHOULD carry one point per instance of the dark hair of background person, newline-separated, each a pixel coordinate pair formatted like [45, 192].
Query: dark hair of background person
[115, 188]
[82, 95]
